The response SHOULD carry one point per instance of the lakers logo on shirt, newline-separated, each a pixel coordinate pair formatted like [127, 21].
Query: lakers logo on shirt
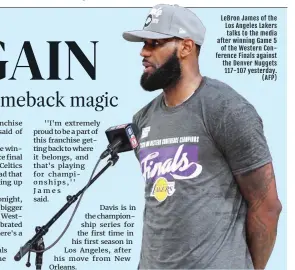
[163, 166]
[162, 189]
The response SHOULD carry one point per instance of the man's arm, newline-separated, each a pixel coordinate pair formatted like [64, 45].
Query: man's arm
[258, 187]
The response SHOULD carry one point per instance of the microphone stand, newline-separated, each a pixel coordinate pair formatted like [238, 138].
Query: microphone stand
[36, 242]
[39, 247]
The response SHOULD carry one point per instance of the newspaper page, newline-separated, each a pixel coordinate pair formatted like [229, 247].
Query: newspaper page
[73, 87]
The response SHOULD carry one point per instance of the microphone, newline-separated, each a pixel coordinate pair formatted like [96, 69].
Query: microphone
[122, 138]
[22, 251]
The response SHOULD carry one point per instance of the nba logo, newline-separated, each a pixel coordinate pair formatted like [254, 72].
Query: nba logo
[133, 141]
[129, 130]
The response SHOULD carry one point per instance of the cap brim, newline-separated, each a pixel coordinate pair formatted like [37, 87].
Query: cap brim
[139, 35]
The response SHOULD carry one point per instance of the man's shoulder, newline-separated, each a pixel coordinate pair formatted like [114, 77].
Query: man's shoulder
[220, 100]
[220, 89]
[219, 95]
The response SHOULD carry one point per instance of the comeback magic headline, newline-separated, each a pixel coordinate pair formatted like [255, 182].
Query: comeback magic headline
[99, 103]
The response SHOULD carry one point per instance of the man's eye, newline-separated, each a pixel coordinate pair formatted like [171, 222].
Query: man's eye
[155, 43]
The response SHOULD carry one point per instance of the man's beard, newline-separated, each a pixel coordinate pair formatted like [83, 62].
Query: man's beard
[163, 77]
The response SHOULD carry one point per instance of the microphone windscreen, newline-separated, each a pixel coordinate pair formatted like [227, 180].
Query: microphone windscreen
[126, 133]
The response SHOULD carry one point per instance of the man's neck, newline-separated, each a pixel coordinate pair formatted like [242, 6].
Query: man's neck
[182, 91]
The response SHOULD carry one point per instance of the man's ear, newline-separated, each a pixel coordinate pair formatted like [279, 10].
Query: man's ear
[187, 47]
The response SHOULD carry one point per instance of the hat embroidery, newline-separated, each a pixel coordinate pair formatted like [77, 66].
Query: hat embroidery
[153, 16]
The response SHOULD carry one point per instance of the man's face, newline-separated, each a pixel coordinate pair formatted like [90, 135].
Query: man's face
[161, 64]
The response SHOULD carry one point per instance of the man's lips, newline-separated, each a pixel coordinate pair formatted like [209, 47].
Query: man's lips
[147, 66]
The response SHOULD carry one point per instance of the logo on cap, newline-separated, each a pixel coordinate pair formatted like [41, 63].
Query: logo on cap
[181, 31]
[148, 20]
[152, 17]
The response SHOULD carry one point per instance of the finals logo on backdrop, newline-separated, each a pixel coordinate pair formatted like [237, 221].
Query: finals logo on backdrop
[163, 165]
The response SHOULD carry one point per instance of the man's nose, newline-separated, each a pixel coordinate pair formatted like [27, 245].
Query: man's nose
[145, 52]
